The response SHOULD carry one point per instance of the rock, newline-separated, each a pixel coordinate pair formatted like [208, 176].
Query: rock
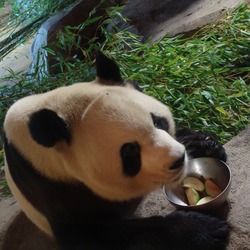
[47, 35]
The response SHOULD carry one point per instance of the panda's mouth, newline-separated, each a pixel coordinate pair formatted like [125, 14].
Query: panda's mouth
[178, 164]
[171, 182]
[177, 178]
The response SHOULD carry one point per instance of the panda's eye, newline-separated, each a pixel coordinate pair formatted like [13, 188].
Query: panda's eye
[160, 122]
[131, 158]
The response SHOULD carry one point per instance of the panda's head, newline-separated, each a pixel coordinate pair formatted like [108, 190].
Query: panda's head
[116, 140]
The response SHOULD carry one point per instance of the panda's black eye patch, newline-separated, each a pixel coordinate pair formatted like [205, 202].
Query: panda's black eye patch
[160, 122]
[131, 158]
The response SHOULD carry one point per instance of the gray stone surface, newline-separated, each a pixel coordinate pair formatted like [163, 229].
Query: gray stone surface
[193, 17]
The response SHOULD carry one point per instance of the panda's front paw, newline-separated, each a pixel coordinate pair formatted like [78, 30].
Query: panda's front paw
[193, 230]
[200, 144]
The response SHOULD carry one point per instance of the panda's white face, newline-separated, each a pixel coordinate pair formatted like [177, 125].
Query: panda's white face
[116, 140]
[123, 147]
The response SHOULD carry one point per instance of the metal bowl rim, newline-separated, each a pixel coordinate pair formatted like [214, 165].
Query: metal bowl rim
[214, 199]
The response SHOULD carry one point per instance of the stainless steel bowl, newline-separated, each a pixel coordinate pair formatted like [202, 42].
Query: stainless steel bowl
[208, 168]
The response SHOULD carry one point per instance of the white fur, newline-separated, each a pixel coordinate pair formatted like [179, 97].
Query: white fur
[102, 119]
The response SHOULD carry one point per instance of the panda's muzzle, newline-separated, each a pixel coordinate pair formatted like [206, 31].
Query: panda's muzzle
[179, 163]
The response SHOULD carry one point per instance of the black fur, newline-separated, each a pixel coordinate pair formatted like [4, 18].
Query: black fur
[131, 158]
[82, 220]
[177, 231]
[107, 70]
[179, 163]
[47, 128]
[160, 122]
[201, 144]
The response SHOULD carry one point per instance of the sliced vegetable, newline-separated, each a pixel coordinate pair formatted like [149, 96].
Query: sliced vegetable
[193, 182]
[204, 200]
[211, 188]
[192, 196]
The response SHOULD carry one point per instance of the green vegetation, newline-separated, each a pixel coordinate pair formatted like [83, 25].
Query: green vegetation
[204, 78]
[24, 18]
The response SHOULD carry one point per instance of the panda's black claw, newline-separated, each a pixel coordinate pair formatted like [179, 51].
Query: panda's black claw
[201, 144]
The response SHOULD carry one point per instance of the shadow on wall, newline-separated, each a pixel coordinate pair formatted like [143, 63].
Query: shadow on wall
[144, 13]
[141, 13]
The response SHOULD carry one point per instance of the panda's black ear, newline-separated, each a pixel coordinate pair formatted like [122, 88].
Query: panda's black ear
[107, 71]
[47, 128]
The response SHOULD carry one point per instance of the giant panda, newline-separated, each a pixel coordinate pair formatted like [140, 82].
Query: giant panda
[81, 158]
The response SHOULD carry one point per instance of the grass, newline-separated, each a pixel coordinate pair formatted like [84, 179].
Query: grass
[204, 78]
[23, 20]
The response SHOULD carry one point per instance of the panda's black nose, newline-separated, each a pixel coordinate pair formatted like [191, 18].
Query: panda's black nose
[179, 163]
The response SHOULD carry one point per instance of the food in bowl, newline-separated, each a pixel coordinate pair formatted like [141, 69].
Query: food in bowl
[197, 192]
[203, 168]
[211, 188]
[193, 182]
[204, 200]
